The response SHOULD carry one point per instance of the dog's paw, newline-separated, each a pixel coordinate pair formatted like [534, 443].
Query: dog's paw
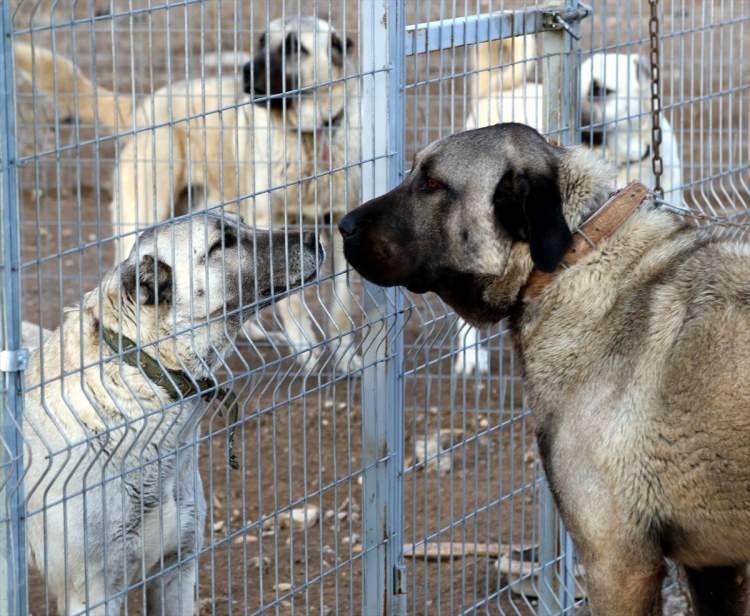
[471, 360]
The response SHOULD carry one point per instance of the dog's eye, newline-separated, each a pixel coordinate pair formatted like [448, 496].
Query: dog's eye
[433, 184]
[292, 45]
[598, 90]
[230, 240]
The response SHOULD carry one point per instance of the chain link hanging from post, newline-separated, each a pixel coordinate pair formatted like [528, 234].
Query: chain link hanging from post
[656, 161]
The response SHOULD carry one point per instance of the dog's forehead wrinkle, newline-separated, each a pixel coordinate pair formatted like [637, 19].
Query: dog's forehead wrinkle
[300, 23]
[309, 30]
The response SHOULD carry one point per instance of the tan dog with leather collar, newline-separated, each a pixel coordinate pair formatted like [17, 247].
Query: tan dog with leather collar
[636, 356]
[615, 97]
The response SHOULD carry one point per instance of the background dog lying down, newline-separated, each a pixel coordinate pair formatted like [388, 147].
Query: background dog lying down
[112, 455]
[284, 135]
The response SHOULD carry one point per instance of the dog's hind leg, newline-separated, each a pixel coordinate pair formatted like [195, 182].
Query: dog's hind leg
[620, 583]
[719, 591]
[346, 358]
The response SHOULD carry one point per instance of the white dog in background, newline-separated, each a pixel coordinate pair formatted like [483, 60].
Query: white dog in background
[615, 114]
[276, 149]
[616, 118]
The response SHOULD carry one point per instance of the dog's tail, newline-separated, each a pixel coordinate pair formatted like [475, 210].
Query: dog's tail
[75, 95]
[502, 64]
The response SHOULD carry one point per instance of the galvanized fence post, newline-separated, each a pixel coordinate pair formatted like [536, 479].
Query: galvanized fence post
[13, 589]
[561, 49]
[381, 38]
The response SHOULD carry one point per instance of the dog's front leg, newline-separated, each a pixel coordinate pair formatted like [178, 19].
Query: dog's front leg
[346, 358]
[174, 595]
[471, 355]
[612, 531]
[299, 330]
[719, 591]
[623, 582]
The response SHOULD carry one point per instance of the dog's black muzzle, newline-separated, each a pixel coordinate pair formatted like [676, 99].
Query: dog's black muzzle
[263, 78]
[592, 136]
[378, 241]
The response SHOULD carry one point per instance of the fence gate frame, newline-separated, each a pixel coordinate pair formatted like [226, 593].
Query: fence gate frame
[385, 43]
[13, 571]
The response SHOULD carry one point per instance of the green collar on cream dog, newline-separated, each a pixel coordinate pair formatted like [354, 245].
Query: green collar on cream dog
[178, 384]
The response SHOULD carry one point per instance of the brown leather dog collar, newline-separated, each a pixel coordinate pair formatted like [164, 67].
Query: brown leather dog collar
[599, 226]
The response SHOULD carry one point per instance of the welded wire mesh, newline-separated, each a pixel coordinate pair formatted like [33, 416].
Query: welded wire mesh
[288, 531]
[464, 403]
[283, 531]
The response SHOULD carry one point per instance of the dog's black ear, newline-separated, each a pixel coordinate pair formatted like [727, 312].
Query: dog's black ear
[340, 45]
[529, 208]
[508, 201]
[292, 45]
[149, 283]
[247, 78]
[549, 235]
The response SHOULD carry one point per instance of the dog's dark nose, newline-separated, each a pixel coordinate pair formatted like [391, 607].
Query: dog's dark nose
[592, 137]
[348, 226]
[310, 240]
[254, 77]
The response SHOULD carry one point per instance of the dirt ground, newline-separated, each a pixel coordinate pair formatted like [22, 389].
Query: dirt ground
[301, 441]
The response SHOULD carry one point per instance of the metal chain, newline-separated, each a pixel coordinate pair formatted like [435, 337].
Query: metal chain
[656, 162]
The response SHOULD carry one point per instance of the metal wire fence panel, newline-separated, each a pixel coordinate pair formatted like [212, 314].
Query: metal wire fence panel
[385, 454]
[140, 113]
[481, 533]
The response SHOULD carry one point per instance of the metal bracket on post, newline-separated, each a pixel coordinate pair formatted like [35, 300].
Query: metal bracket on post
[565, 18]
[399, 579]
[452, 33]
[14, 361]
[13, 572]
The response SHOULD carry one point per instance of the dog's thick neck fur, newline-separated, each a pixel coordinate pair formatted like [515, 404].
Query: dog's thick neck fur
[128, 386]
[586, 182]
[195, 352]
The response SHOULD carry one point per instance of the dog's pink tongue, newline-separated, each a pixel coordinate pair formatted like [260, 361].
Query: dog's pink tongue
[323, 146]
